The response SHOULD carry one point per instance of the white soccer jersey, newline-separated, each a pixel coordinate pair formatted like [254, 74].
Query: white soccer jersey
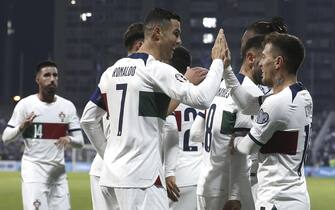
[189, 160]
[242, 165]
[137, 91]
[42, 161]
[97, 163]
[245, 121]
[282, 130]
[220, 120]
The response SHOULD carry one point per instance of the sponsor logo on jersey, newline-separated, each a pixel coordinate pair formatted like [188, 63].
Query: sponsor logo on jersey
[124, 71]
[262, 117]
[180, 78]
[61, 116]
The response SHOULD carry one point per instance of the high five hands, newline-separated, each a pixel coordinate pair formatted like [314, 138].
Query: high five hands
[220, 49]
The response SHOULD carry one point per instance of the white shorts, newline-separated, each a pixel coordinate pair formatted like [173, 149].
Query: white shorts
[45, 196]
[98, 198]
[211, 203]
[153, 198]
[187, 200]
[279, 205]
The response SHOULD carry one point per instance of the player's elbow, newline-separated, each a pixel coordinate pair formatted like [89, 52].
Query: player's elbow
[9, 135]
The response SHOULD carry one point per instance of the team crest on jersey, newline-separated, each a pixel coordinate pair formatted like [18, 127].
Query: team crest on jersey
[262, 117]
[61, 115]
[37, 204]
[180, 78]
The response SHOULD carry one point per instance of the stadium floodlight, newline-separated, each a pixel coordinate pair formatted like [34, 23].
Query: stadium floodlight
[209, 22]
[16, 98]
[73, 2]
[85, 15]
[207, 38]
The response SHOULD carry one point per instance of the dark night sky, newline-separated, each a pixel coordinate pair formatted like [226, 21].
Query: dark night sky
[33, 38]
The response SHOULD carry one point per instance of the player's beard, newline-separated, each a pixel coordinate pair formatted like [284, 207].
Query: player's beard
[51, 89]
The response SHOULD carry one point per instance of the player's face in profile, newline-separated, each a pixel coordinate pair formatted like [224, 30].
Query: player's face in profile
[47, 79]
[256, 70]
[267, 65]
[170, 39]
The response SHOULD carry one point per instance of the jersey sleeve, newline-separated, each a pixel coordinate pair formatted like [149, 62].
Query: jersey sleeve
[74, 124]
[176, 86]
[197, 131]
[12, 131]
[18, 115]
[171, 139]
[76, 136]
[271, 117]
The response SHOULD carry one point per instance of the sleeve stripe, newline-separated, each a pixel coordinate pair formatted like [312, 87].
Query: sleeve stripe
[201, 114]
[255, 140]
[75, 129]
[10, 126]
[260, 100]
[97, 98]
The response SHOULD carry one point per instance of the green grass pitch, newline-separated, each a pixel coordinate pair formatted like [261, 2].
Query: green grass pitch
[321, 190]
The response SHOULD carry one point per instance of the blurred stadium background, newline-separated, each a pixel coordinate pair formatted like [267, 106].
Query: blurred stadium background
[84, 37]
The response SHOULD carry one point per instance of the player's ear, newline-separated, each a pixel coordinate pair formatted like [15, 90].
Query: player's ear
[250, 58]
[279, 62]
[156, 33]
[37, 79]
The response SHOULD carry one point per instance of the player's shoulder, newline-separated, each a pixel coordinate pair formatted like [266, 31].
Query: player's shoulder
[28, 100]
[65, 101]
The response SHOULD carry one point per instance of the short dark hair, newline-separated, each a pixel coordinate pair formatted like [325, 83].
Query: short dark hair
[133, 33]
[254, 42]
[265, 27]
[181, 59]
[289, 47]
[43, 64]
[159, 15]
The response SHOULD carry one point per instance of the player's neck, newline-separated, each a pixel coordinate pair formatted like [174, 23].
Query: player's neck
[281, 82]
[150, 48]
[46, 97]
[246, 71]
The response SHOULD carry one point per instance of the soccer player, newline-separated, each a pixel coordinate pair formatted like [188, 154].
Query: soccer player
[250, 78]
[214, 128]
[48, 124]
[136, 93]
[132, 40]
[282, 127]
[182, 182]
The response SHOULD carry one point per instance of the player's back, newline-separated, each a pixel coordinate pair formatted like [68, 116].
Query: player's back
[219, 124]
[190, 153]
[137, 110]
[281, 159]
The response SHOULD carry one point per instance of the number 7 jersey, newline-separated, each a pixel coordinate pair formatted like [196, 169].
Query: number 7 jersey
[137, 92]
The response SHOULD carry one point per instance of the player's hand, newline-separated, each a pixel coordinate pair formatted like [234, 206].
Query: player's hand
[227, 55]
[172, 189]
[28, 121]
[62, 142]
[231, 144]
[232, 205]
[220, 49]
[196, 74]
